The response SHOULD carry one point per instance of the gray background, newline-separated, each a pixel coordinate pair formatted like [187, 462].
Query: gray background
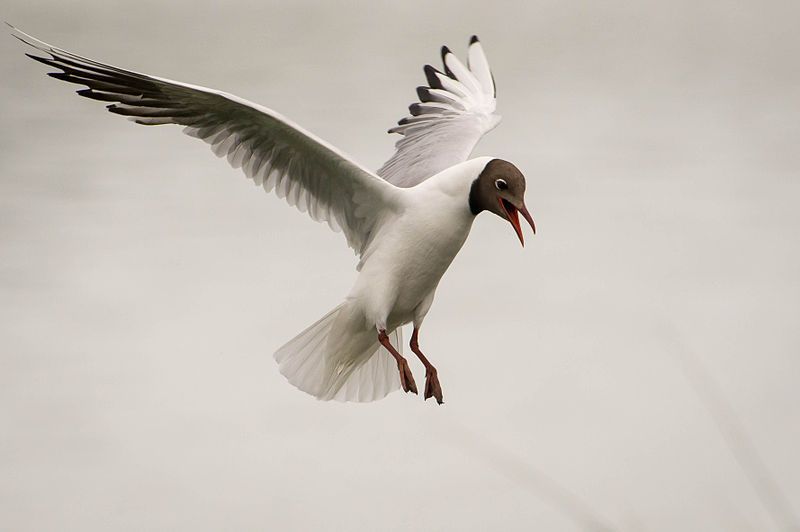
[145, 285]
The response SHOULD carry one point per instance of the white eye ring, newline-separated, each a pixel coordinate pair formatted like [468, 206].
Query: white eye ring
[500, 184]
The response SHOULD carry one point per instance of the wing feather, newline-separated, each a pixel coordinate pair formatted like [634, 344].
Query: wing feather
[275, 153]
[454, 111]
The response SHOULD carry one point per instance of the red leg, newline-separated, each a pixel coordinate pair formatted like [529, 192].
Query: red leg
[432, 386]
[406, 378]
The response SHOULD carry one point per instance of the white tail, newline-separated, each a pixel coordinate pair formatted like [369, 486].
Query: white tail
[358, 369]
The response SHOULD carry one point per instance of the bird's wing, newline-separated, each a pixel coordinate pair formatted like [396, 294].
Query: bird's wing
[276, 154]
[454, 111]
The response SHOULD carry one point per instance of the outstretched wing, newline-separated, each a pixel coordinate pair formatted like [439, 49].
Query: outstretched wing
[276, 154]
[454, 111]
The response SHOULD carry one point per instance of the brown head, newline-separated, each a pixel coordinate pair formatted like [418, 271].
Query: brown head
[500, 188]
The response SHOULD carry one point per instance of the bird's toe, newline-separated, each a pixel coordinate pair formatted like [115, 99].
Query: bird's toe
[433, 388]
[406, 378]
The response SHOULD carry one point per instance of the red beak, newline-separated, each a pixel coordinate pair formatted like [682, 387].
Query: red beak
[513, 217]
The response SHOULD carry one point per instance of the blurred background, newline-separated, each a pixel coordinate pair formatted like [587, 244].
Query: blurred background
[633, 368]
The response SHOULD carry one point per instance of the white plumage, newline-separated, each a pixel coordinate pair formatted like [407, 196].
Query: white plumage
[454, 112]
[406, 227]
[309, 362]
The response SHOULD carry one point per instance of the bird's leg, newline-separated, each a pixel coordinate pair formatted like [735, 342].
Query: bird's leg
[406, 378]
[432, 386]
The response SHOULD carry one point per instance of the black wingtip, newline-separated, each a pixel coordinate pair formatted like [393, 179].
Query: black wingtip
[423, 94]
[430, 76]
[473, 40]
[43, 60]
[99, 96]
[445, 51]
[63, 76]
[117, 110]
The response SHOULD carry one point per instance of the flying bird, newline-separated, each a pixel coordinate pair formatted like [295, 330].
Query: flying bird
[406, 222]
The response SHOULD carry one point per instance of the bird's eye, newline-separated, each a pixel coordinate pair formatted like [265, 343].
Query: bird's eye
[500, 184]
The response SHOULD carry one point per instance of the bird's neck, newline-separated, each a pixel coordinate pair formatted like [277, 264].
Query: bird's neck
[457, 181]
[475, 206]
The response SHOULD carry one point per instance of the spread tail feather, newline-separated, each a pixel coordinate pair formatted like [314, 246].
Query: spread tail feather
[360, 371]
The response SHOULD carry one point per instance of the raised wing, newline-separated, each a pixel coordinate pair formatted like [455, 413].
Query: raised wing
[454, 111]
[276, 154]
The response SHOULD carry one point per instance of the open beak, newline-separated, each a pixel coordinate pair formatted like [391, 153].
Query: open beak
[512, 213]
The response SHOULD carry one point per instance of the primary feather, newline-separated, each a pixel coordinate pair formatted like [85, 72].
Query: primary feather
[454, 111]
[275, 153]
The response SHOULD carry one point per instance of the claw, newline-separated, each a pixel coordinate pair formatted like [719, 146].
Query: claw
[432, 387]
[406, 377]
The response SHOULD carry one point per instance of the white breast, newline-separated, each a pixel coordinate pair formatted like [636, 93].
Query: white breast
[411, 252]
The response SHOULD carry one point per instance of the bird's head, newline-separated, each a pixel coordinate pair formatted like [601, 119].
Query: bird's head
[500, 188]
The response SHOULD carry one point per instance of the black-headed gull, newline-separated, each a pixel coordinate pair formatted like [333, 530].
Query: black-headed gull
[406, 222]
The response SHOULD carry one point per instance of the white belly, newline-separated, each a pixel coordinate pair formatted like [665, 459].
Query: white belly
[407, 262]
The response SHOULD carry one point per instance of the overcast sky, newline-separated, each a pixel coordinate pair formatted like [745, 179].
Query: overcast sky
[144, 285]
